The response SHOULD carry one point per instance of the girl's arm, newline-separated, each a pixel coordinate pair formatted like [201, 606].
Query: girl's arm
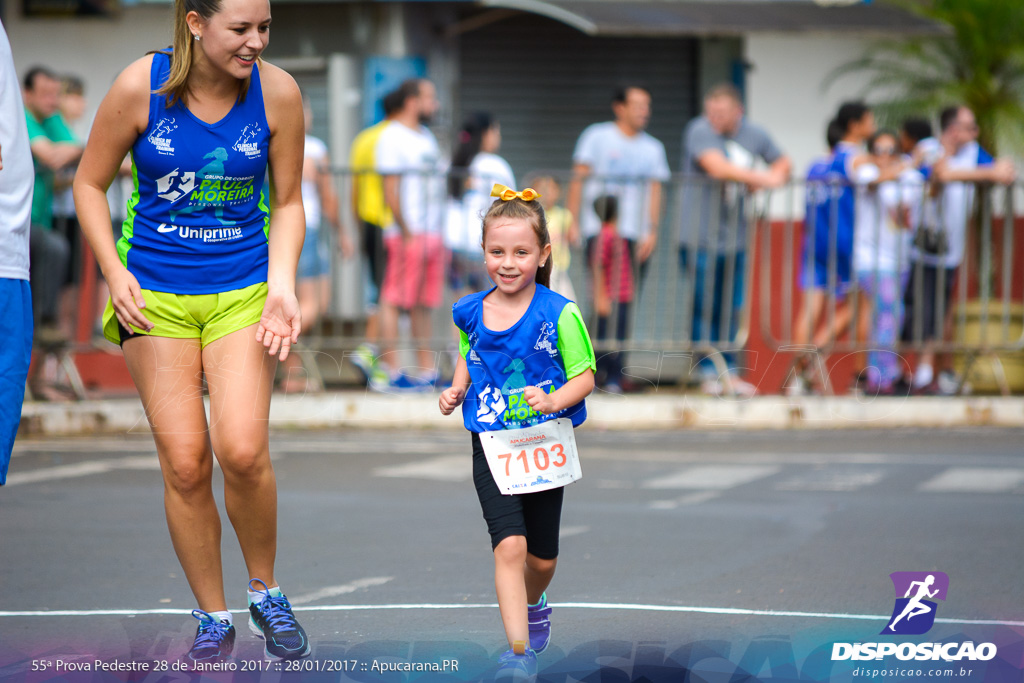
[452, 397]
[279, 327]
[122, 117]
[570, 393]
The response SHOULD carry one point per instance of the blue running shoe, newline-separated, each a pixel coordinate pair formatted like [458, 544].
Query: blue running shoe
[539, 617]
[517, 664]
[404, 383]
[272, 620]
[214, 639]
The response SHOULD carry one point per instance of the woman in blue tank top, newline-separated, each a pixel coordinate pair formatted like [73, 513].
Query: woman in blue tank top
[202, 282]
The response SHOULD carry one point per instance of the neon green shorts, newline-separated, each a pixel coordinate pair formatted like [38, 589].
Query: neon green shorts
[206, 317]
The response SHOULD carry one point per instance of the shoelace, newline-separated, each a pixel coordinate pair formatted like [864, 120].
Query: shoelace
[275, 609]
[211, 631]
[278, 612]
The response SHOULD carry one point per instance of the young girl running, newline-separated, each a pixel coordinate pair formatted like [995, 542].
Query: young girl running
[202, 284]
[527, 358]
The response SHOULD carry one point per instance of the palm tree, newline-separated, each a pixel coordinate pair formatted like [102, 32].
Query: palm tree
[974, 58]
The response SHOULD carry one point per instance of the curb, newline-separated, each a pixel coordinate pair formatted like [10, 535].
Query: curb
[368, 410]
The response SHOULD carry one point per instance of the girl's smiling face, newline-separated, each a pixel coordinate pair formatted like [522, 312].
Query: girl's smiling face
[513, 254]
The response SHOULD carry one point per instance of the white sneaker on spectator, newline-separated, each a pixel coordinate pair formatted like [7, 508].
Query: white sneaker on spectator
[711, 386]
[797, 386]
[947, 383]
[742, 387]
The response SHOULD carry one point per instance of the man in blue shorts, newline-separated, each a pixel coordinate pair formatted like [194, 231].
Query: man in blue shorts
[16, 183]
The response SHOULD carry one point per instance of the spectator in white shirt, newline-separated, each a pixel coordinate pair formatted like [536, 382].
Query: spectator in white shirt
[413, 171]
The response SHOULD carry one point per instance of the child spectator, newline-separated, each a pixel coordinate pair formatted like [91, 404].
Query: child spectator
[613, 289]
[563, 231]
[888, 203]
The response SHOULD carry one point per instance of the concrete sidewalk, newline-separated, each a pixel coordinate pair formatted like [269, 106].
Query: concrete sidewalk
[366, 409]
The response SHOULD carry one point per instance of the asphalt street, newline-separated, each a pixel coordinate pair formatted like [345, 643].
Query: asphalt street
[698, 556]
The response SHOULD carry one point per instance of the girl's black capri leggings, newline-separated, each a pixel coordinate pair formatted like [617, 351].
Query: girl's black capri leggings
[536, 516]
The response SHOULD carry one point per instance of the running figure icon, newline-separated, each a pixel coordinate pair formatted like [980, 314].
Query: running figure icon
[915, 607]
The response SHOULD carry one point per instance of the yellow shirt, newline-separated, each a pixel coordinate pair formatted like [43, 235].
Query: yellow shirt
[362, 159]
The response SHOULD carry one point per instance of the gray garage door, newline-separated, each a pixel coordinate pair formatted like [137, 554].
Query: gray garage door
[546, 82]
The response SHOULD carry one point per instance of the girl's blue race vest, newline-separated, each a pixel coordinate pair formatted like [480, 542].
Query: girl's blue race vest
[198, 218]
[502, 364]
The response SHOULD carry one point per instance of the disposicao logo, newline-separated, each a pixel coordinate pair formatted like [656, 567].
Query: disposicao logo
[914, 611]
[914, 614]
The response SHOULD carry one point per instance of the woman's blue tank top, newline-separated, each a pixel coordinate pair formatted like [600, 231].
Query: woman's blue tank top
[198, 218]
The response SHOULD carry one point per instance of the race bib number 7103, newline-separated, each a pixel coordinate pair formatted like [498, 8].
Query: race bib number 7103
[532, 458]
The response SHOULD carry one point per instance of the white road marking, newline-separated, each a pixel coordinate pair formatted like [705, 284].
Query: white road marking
[575, 605]
[695, 498]
[789, 458]
[716, 477]
[444, 468]
[832, 480]
[567, 531]
[90, 445]
[101, 445]
[976, 480]
[332, 591]
[84, 469]
[613, 484]
[419, 448]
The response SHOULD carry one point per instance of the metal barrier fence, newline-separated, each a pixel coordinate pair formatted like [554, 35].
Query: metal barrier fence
[677, 307]
[724, 276]
[952, 257]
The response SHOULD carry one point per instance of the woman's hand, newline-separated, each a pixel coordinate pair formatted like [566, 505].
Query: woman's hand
[126, 297]
[280, 323]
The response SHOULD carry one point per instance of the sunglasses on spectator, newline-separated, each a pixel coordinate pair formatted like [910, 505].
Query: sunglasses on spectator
[884, 151]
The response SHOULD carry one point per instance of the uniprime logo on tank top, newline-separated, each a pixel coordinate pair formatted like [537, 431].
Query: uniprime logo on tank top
[161, 136]
[209, 188]
[245, 143]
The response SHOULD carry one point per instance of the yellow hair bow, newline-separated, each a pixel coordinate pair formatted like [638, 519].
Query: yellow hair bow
[507, 193]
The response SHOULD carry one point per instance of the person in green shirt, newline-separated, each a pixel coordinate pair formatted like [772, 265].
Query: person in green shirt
[53, 149]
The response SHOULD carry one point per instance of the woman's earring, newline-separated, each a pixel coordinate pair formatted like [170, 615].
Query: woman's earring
[196, 36]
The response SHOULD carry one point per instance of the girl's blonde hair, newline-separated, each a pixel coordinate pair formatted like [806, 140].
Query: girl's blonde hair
[531, 211]
[176, 87]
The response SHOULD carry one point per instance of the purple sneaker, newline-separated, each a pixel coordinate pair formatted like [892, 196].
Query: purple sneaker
[539, 618]
[518, 665]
